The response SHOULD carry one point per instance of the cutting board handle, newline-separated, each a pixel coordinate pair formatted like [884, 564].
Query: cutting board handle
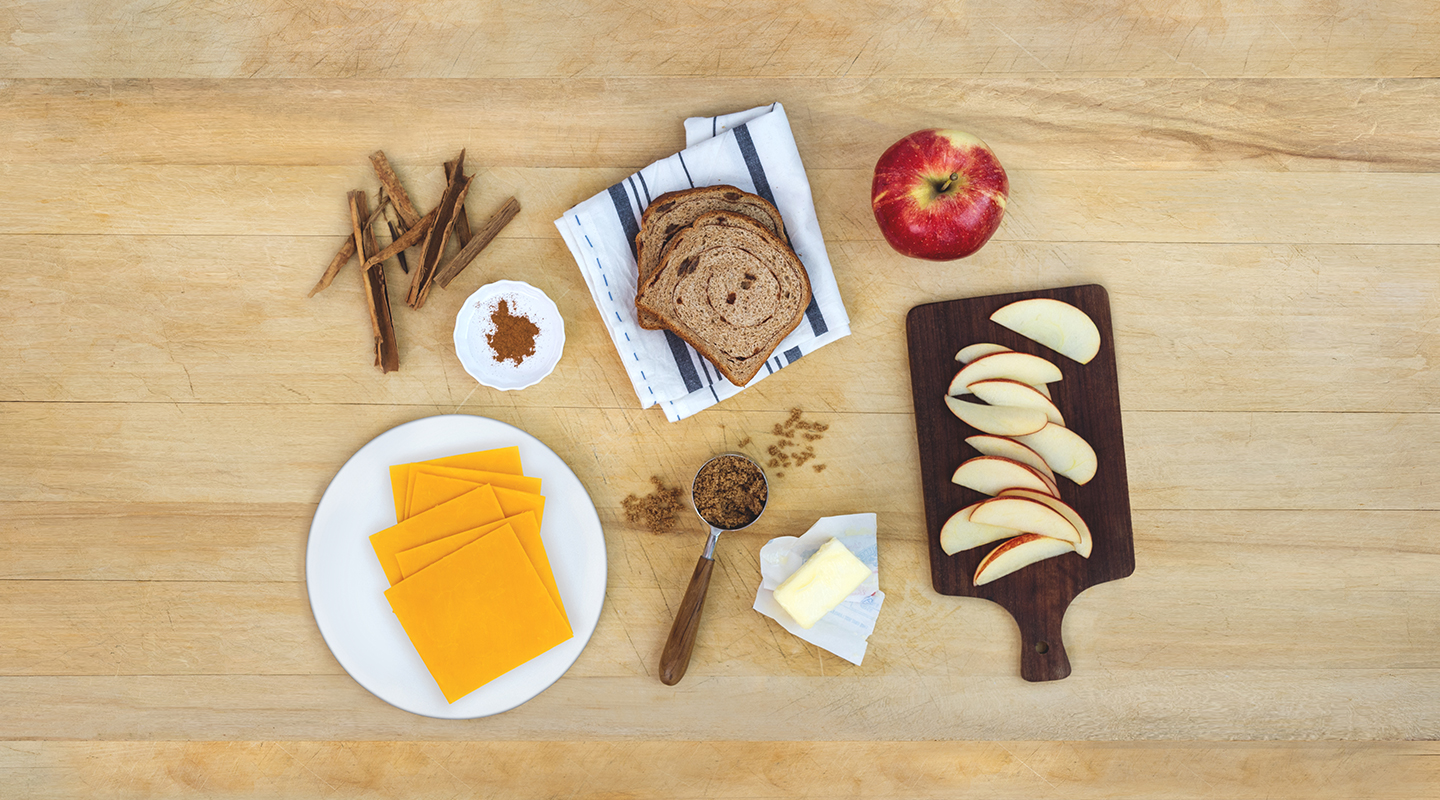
[1042, 651]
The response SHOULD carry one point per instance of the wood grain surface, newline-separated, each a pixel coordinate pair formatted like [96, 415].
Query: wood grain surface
[1088, 396]
[1256, 183]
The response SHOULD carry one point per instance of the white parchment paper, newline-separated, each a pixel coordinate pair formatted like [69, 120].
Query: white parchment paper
[845, 630]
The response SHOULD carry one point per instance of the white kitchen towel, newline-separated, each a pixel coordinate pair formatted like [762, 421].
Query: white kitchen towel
[753, 150]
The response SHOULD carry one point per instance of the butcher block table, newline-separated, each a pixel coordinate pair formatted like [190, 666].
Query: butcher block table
[1255, 184]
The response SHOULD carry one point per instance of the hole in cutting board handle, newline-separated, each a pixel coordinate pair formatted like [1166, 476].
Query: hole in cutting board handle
[1042, 647]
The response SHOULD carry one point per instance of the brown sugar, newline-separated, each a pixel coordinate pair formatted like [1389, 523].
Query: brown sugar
[794, 442]
[730, 492]
[655, 511]
[514, 336]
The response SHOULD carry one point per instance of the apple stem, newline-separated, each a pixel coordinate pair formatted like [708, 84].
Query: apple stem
[945, 187]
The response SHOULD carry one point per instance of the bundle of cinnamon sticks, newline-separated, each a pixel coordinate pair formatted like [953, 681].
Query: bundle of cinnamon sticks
[432, 233]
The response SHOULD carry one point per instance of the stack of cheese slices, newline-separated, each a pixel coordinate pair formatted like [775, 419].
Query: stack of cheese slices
[469, 577]
[716, 269]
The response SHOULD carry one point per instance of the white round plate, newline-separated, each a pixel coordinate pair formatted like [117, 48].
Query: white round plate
[473, 326]
[347, 585]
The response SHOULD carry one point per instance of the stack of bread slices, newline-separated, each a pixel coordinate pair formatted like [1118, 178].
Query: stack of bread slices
[716, 269]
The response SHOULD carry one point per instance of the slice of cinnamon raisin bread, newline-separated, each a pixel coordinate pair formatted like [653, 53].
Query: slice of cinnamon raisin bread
[673, 211]
[731, 289]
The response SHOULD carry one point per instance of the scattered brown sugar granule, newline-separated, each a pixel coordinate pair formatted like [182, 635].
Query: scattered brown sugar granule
[788, 450]
[730, 492]
[655, 511]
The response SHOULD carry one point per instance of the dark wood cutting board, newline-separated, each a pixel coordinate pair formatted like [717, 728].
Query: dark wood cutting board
[1088, 397]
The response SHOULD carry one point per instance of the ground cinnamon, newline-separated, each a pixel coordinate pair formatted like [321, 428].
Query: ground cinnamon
[513, 337]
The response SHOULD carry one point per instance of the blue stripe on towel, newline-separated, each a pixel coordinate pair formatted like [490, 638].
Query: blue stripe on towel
[818, 326]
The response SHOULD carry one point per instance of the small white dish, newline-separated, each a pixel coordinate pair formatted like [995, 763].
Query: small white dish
[474, 326]
[347, 586]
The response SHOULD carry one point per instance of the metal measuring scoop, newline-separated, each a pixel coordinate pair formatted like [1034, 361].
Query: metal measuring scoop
[676, 657]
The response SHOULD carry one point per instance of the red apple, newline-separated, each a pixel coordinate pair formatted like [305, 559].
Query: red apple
[939, 194]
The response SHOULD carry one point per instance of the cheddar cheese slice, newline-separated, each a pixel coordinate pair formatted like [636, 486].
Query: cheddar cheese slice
[431, 486]
[502, 459]
[470, 510]
[478, 614]
[527, 530]
[513, 502]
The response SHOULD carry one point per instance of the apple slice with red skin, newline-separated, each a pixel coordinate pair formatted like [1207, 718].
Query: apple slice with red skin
[971, 352]
[1064, 450]
[1054, 323]
[1024, 514]
[1006, 392]
[974, 351]
[992, 474]
[998, 420]
[959, 533]
[1087, 541]
[1019, 552]
[991, 445]
[1021, 367]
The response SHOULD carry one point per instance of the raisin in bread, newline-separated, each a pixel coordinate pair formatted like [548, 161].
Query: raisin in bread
[731, 289]
[673, 211]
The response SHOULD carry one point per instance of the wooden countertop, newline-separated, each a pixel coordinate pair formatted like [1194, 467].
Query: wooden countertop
[1257, 185]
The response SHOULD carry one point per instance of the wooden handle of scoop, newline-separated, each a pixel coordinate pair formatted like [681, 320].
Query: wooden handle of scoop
[676, 657]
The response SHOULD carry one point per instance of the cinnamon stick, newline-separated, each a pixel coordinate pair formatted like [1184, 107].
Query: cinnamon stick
[439, 234]
[394, 226]
[382, 325]
[462, 226]
[342, 256]
[408, 215]
[482, 237]
[434, 262]
[462, 219]
[405, 241]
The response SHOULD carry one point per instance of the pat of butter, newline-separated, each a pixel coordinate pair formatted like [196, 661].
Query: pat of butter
[825, 579]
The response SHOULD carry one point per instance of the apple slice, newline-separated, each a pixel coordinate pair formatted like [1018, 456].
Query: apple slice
[1006, 447]
[960, 533]
[971, 352]
[993, 474]
[1021, 367]
[999, 420]
[1087, 542]
[1024, 514]
[1005, 392]
[1022, 551]
[1050, 484]
[1058, 325]
[1064, 451]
